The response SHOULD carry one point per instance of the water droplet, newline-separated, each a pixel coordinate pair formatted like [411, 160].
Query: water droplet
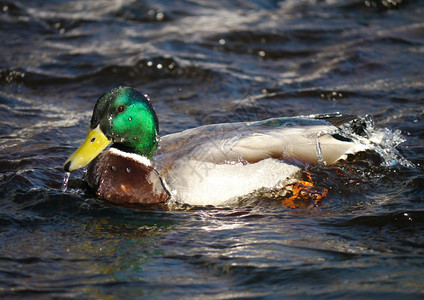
[128, 170]
[129, 118]
[113, 168]
[159, 16]
[319, 153]
[65, 181]
[110, 118]
[222, 42]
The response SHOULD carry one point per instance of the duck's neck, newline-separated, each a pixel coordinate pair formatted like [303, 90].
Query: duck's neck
[147, 149]
[141, 159]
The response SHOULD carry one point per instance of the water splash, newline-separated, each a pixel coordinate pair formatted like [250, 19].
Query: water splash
[381, 140]
[65, 181]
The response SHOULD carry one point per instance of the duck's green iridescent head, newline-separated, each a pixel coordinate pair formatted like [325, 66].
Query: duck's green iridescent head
[124, 117]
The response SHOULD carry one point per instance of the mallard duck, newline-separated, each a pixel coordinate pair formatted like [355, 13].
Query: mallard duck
[207, 165]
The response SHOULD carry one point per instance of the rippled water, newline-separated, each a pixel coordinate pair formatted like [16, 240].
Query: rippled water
[207, 62]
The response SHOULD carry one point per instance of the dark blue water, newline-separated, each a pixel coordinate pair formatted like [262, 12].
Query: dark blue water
[206, 62]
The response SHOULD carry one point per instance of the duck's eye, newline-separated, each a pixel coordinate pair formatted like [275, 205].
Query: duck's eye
[121, 108]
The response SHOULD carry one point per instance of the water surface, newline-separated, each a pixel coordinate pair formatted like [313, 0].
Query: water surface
[204, 63]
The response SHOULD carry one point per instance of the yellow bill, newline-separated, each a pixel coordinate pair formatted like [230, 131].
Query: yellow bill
[94, 143]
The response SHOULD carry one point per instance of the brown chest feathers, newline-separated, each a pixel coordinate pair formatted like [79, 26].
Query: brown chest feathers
[121, 179]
